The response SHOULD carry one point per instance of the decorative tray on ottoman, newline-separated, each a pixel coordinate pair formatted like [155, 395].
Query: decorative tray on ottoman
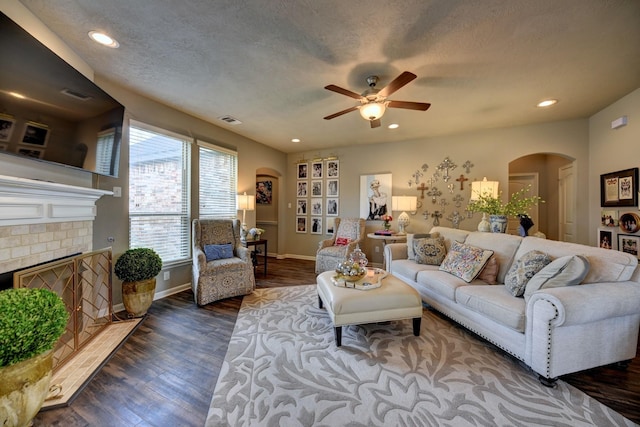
[371, 280]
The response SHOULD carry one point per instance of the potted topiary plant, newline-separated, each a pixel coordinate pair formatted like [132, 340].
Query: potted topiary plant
[499, 212]
[138, 268]
[31, 322]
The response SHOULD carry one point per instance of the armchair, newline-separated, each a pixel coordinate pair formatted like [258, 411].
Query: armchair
[347, 234]
[227, 271]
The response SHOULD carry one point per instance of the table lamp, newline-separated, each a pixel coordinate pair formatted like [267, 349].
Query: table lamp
[246, 203]
[486, 189]
[404, 203]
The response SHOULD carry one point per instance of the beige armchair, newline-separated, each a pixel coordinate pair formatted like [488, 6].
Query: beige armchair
[347, 234]
[229, 270]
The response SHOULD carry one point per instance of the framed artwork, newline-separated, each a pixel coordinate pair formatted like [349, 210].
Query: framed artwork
[4, 147]
[316, 206]
[35, 134]
[301, 224]
[628, 244]
[333, 188]
[302, 189]
[375, 196]
[332, 207]
[302, 207]
[316, 226]
[7, 124]
[605, 239]
[609, 218]
[330, 224]
[34, 153]
[629, 222]
[303, 170]
[619, 188]
[263, 192]
[333, 168]
[316, 170]
[316, 188]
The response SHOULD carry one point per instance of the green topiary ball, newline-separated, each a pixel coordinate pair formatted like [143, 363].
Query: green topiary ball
[31, 322]
[138, 264]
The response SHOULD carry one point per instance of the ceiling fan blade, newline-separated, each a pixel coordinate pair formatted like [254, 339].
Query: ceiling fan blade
[422, 106]
[339, 113]
[400, 81]
[342, 91]
[375, 123]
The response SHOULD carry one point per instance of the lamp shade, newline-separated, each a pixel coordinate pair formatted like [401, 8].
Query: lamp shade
[246, 202]
[484, 188]
[404, 203]
[372, 110]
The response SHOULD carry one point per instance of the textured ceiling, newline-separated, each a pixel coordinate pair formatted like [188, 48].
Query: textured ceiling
[480, 63]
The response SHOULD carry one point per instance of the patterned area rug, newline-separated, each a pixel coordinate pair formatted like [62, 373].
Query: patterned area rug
[282, 368]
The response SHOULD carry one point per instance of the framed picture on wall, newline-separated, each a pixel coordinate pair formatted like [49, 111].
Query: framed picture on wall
[316, 206]
[605, 239]
[263, 192]
[316, 188]
[316, 225]
[35, 134]
[619, 188]
[316, 170]
[302, 207]
[332, 207]
[301, 224]
[302, 189]
[333, 188]
[629, 244]
[333, 168]
[4, 147]
[609, 218]
[34, 153]
[375, 196]
[303, 170]
[7, 124]
[330, 224]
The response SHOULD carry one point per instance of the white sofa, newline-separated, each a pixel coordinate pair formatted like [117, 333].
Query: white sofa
[558, 330]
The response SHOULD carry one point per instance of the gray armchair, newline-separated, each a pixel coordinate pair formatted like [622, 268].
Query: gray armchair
[229, 270]
[347, 234]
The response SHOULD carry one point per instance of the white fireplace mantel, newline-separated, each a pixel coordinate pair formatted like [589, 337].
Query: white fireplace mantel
[27, 201]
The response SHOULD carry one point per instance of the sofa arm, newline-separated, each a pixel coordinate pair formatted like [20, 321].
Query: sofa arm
[393, 252]
[589, 303]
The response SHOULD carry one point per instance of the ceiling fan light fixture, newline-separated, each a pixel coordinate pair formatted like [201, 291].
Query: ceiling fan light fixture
[372, 110]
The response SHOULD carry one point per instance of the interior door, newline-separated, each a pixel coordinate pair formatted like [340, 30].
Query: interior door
[517, 182]
[567, 202]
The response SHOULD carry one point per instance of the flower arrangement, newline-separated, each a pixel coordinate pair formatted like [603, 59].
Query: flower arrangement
[387, 219]
[256, 231]
[517, 204]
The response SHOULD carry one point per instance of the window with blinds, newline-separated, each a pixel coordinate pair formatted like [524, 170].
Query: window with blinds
[159, 191]
[218, 181]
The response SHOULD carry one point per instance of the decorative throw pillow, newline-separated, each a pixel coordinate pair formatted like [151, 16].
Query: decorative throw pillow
[213, 252]
[411, 237]
[489, 273]
[523, 270]
[342, 241]
[568, 270]
[465, 261]
[429, 250]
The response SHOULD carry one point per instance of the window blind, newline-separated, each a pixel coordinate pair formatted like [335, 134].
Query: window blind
[159, 216]
[218, 181]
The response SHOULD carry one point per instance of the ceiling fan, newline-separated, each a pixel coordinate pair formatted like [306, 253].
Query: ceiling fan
[373, 102]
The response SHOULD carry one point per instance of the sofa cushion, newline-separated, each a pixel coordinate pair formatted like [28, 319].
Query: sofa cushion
[465, 261]
[429, 250]
[409, 269]
[342, 241]
[504, 247]
[411, 237]
[523, 270]
[489, 273]
[495, 302]
[214, 252]
[568, 270]
[440, 282]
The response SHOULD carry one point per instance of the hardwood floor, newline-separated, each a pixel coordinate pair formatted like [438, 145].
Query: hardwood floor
[164, 375]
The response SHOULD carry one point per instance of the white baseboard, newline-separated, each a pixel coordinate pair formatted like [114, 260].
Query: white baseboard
[159, 295]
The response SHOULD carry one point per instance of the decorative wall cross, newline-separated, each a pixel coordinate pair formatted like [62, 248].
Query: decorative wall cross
[436, 215]
[422, 189]
[455, 219]
[467, 166]
[434, 193]
[457, 200]
[461, 180]
[446, 166]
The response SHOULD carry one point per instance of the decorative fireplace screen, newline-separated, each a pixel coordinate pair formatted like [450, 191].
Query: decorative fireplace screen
[84, 284]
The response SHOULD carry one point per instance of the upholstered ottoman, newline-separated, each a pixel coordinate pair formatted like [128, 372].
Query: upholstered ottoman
[394, 300]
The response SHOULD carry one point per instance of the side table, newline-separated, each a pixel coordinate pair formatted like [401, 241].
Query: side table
[393, 238]
[255, 251]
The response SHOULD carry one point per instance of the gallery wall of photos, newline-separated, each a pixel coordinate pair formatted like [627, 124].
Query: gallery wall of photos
[317, 195]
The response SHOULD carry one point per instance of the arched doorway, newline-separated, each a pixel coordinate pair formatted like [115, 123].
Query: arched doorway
[554, 215]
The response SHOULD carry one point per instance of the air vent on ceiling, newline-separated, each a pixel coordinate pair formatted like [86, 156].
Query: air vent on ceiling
[76, 95]
[230, 120]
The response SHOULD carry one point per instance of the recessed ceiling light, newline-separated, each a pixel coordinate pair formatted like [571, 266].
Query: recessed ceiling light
[103, 39]
[393, 126]
[295, 140]
[547, 103]
[17, 95]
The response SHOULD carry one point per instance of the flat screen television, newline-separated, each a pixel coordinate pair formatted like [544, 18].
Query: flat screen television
[51, 112]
